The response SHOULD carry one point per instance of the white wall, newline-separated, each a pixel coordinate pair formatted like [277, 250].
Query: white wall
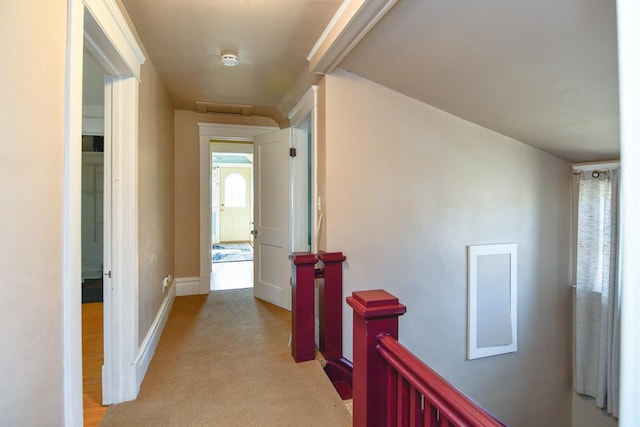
[408, 187]
[32, 81]
[629, 66]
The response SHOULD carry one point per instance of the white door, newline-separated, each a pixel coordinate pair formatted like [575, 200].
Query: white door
[272, 223]
[215, 204]
[235, 204]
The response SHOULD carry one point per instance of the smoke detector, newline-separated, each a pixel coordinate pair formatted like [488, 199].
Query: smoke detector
[229, 59]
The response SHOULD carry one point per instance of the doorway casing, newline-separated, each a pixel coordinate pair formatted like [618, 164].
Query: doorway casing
[98, 28]
[305, 109]
[220, 132]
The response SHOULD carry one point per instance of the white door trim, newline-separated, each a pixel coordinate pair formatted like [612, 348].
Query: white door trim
[299, 191]
[207, 132]
[307, 107]
[629, 69]
[112, 44]
[121, 301]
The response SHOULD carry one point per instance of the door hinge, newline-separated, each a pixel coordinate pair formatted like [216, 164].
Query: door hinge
[292, 152]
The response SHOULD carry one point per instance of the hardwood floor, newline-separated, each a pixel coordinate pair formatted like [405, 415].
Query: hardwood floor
[231, 275]
[92, 360]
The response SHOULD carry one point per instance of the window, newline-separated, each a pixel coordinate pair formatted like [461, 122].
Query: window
[235, 191]
[597, 289]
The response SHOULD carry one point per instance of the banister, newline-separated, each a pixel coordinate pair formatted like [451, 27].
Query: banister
[391, 386]
[303, 278]
[455, 405]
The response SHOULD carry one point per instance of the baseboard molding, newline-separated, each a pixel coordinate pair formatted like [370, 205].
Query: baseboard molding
[150, 342]
[187, 286]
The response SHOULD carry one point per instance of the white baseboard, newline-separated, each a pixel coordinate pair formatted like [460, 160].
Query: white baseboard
[187, 286]
[148, 346]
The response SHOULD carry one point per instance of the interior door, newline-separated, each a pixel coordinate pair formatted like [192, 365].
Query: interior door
[235, 204]
[215, 204]
[271, 218]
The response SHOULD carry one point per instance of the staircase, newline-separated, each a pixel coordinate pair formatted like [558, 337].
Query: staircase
[390, 386]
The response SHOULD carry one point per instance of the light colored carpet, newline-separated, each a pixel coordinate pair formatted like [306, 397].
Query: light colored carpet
[223, 360]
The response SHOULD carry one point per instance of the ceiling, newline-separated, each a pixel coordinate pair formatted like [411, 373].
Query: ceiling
[272, 38]
[543, 72]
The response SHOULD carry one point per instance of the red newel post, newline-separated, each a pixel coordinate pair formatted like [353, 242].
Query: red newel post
[373, 312]
[302, 309]
[330, 305]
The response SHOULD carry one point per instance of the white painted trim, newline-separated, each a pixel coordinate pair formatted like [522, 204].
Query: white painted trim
[475, 251]
[629, 71]
[596, 165]
[72, 232]
[299, 191]
[107, 367]
[308, 107]
[353, 20]
[150, 342]
[117, 35]
[207, 132]
[187, 286]
[108, 39]
[302, 109]
[121, 319]
[205, 215]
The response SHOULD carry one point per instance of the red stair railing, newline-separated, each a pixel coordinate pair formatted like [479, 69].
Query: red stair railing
[303, 277]
[391, 386]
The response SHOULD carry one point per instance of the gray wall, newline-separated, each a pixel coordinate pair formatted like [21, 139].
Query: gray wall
[408, 187]
[587, 414]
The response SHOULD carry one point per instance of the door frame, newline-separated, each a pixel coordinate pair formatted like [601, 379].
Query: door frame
[97, 27]
[305, 109]
[223, 132]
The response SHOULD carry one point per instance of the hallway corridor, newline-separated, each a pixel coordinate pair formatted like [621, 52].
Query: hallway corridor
[223, 360]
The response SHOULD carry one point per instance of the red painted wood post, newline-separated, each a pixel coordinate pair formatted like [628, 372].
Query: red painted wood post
[373, 312]
[302, 306]
[330, 305]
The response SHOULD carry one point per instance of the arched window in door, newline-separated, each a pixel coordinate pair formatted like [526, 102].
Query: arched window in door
[235, 191]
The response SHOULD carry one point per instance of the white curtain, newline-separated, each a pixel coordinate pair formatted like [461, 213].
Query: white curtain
[597, 293]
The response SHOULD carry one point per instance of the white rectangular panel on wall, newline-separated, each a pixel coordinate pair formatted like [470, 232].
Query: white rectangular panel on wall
[492, 300]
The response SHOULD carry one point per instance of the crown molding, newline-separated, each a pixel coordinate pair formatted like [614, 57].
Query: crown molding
[353, 20]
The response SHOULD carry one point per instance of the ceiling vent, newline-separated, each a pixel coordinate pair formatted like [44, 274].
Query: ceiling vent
[218, 107]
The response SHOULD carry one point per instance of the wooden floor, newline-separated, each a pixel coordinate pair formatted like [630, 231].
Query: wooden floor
[92, 360]
[231, 275]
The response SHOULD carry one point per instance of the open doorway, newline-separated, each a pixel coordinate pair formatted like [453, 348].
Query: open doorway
[98, 29]
[231, 219]
[92, 240]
